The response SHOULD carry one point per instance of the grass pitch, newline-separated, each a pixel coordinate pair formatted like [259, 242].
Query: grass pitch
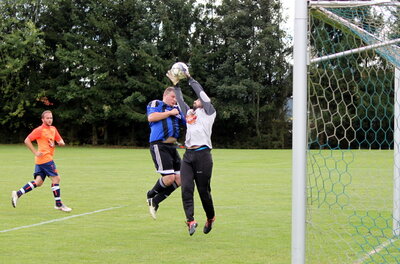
[251, 191]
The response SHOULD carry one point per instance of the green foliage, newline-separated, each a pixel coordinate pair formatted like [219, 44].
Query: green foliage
[253, 69]
[21, 53]
[97, 64]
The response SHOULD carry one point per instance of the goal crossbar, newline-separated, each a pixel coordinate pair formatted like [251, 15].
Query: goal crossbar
[338, 4]
[354, 51]
[392, 53]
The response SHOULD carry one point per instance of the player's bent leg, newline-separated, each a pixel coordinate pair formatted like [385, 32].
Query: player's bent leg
[157, 188]
[165, 193]
[168, 179]
[152, 202]
[156, 200]
[39, 180]
[178, 179]
[25, 189]
[160, 185]
[157, 194]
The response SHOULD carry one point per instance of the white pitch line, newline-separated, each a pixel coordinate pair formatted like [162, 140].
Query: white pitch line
[375, 250]
[61, 219]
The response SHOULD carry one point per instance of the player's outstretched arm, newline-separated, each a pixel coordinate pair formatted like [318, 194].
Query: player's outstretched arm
[205, 100]
[179, 97]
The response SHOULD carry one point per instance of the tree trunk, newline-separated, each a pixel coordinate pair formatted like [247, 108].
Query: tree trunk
[257, 106]
[94, 135]
[105, 135]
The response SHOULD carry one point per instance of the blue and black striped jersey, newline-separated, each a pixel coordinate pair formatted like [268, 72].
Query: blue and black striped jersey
[165, 128]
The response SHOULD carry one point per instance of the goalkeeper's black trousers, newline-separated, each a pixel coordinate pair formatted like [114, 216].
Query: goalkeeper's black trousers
[196, 168]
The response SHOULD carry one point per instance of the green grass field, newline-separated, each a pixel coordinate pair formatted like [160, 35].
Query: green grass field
[251, 191]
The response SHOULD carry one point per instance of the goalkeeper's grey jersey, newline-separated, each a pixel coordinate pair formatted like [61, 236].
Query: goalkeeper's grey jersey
[199, 122]
[199, 128]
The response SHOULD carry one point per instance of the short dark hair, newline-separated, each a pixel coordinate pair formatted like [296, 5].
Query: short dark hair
[168, 90]
[45, 112]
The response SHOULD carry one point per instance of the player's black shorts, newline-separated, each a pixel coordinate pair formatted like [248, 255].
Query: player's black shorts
[166, 158]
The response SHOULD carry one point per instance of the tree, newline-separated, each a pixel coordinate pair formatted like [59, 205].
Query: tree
[253, 69]
[101, 62]
[21, 54]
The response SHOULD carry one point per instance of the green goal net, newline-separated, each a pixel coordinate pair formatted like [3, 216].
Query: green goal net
[352, 169]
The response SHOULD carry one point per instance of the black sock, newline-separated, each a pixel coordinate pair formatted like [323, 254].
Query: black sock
[157, 188]
[165, 193]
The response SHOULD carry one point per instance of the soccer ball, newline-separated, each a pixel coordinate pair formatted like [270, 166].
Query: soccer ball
[179, 69]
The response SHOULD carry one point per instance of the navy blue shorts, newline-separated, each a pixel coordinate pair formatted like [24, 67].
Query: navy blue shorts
[45, 169]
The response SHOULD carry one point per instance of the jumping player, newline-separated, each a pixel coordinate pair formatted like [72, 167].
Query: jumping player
[165, 120]
[197, 163]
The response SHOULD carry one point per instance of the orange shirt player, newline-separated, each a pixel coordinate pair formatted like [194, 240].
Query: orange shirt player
[45, 135]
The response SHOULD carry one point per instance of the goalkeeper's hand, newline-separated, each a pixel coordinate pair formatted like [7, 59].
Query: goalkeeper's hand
[174, 79]
[186, 72]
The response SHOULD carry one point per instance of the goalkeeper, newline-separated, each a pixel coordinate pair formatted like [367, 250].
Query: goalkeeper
[197, 163]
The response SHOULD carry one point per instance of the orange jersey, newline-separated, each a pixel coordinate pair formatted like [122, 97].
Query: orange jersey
[45, 136]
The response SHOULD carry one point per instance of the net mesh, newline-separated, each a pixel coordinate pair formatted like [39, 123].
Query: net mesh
[351, 134]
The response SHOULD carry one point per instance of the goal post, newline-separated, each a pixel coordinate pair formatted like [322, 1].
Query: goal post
[299, 144]
[346, 132]
[396, 155]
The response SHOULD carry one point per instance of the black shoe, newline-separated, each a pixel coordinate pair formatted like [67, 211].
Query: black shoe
[208, 226]
[191, 227]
